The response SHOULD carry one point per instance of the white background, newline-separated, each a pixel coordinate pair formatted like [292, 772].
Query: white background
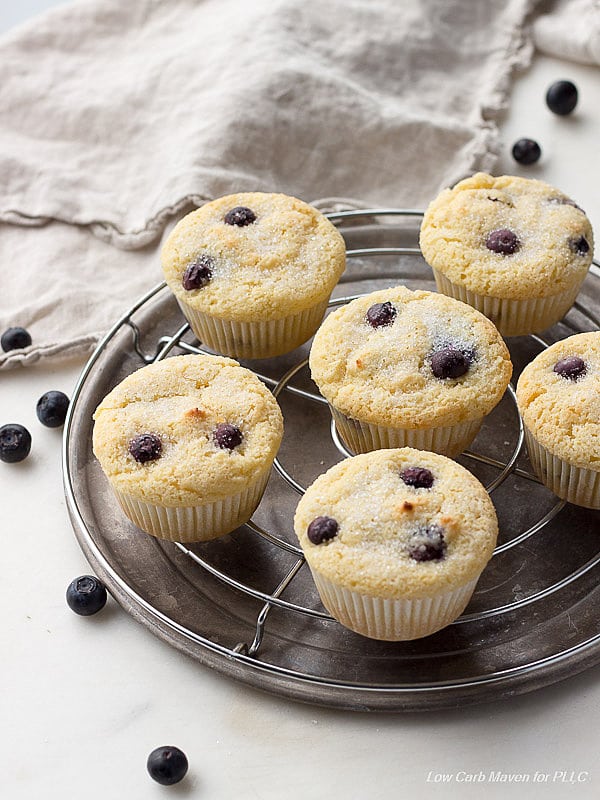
[85, 700]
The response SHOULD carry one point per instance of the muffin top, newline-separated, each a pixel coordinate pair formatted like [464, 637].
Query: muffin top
[507, 237]
[559, 398]
[187, 430]
[410, 360]
[253, 256]
[397, 524]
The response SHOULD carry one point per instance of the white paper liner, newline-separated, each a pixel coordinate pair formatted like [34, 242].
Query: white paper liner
[195, 523]
[578, 485]
[363, 437]
[260, 339]
[390, 619]
[512, 317]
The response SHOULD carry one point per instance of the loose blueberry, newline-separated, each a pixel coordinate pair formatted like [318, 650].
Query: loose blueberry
[579, 246]
[227, 437]
[167, 765]
[561, 97]
[321, 529]
[449, 363]
[240, 216]
[145, 447]
[571, 367]
[52, 408]
[15, 443]
[427, 544]
[503, 241]
[526, 151]
[381, 315]
[15, 339]
[419, 477]
[198, 273]
[86, 595]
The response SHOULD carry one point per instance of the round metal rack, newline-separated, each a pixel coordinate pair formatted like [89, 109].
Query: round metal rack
[526, 627]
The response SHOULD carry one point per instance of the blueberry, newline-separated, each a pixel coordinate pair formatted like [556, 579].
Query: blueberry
[561, 97]
[580, 246]
[52, 408]
[86, 595]
[561, 200]
[381, 315]
[503, 241]
[227, 437]
[571, 367]
[15, 339]
[167, 765]
[321, 529]
[15, 443]
[419, 477]
[449, 363]
[240, 216]
[526, 151]
[145, 447]
[427, 544]
[198, 273]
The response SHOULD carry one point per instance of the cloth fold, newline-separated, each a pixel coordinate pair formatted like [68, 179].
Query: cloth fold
[571, 30]
[119, 117]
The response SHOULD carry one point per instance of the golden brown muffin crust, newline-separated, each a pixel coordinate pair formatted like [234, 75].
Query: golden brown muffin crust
[383, 375]
[546, 222]
[564, 414]
[182, 400]
[378, 514]
[284, 262]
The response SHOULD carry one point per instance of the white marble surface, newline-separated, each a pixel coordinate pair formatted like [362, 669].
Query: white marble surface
[85, 700]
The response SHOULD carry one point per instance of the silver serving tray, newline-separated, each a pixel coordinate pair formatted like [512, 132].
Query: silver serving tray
[245, 604]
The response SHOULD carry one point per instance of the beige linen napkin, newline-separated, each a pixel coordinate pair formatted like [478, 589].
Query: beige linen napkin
[117, 117]
[570, 29]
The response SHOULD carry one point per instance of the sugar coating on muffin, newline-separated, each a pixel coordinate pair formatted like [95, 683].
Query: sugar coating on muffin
[385, 373]
[398, 538]
[217, 427]
[559, 398]
[507, 237]
[278, 260]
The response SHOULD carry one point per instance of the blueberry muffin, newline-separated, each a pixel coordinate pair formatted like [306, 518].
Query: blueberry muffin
[396, 541]
[518, 250]
[558, 395]
[402, 368]
[187, 445]
[253, 272]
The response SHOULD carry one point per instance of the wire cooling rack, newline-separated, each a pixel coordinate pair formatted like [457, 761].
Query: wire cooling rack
[245, 604]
